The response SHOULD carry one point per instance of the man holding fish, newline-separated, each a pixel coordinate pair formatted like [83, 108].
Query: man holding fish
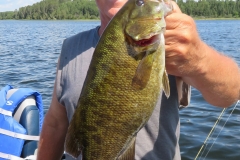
[115, 116]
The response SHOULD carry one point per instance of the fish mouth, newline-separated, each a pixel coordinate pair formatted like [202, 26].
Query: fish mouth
[146, 42]
[137, 48]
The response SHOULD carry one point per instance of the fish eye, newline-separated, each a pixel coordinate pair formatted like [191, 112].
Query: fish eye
[139, 2]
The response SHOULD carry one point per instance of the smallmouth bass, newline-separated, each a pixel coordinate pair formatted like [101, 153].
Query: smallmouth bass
[123, 83]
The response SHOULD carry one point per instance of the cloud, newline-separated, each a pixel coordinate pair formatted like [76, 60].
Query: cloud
[11, 5]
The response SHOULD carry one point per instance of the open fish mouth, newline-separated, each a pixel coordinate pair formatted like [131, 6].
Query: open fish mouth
[137, 47]
[146, 42]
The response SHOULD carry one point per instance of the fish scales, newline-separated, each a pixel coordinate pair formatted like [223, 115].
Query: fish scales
[110, 110]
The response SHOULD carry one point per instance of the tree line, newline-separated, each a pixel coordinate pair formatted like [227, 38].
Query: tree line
[55, 9]
[211, 8]
[87, 9]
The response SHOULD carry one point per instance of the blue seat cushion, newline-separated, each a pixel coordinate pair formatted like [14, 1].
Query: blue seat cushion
[30, 121]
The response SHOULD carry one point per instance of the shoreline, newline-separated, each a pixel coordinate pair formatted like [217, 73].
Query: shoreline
[201, 18]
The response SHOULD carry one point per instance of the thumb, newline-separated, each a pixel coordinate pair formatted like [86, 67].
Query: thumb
[176, 9]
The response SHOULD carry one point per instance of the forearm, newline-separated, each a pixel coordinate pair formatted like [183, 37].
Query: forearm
[51, 144]
[218, 78]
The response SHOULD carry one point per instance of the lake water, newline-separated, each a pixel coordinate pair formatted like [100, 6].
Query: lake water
[28, 56]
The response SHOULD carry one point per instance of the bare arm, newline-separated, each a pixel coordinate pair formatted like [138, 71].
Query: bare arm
[51, 144]
[216, 76]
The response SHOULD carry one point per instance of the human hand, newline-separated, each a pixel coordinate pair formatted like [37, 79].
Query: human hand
[182, 44]
[198, 64]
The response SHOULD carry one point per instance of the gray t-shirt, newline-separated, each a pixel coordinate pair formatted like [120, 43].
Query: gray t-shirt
[158, 140]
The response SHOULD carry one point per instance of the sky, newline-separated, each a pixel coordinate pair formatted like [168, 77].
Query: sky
[11, 5]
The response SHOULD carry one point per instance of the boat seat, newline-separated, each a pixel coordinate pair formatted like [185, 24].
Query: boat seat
[27, 114]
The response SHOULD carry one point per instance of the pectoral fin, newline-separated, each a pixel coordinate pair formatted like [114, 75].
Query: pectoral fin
[166, 86]
[129, 152]
[143, 72]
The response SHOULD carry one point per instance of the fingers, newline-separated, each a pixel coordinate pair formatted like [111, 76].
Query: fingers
[173, 20]
[178, 20]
